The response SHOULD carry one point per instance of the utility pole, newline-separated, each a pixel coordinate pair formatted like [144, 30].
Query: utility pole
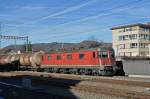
[16, 38]
[7, 37]
[0, 33]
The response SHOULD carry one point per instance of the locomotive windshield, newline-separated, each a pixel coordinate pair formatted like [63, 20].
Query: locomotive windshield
[112, 54]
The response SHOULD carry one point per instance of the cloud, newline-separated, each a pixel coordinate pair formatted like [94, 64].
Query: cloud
[73, 8]
[17, 25]
[20, 8]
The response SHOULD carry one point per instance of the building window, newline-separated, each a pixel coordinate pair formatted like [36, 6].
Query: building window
[69, 56]
[81, 56]
[142, 45]
[146, 45]
[58, 57]
[142, 53]
[124, 30]
[147, 37]
[120, 31]
[141, 36]
[144, 36]
[120, 38]
[134, 36]
[48, 57]
[133, 45]
[129, 29]
[122, 46]
[127, 37]
[145, 29]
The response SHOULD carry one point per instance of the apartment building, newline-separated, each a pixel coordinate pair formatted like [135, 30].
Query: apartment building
[131, 40]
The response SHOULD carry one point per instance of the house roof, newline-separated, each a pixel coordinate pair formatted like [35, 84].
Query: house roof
[131, 25]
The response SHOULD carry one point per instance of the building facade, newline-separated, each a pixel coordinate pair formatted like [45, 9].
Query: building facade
[131, 40]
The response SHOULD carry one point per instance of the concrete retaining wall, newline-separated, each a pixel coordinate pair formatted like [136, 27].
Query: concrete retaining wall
[136, 67]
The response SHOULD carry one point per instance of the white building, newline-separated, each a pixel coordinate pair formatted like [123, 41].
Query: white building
[131, 40]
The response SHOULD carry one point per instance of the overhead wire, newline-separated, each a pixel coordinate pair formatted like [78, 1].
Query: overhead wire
[59, 36]
[101, 14]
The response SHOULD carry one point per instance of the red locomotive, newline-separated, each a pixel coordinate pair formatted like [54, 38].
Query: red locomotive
[98, 61]
[93, 62]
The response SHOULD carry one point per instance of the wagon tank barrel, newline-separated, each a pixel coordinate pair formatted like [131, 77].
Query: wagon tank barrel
[24, 59]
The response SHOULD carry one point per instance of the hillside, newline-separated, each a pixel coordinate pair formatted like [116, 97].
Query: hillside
[58, 46]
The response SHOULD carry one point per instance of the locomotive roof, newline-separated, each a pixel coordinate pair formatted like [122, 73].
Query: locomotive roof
[80, 50]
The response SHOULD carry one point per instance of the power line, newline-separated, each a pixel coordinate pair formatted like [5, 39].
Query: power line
[98, 28]
[102, 14]
[70, 9]
[136, 1]
[102, 28]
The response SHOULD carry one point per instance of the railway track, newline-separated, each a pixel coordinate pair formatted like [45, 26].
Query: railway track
[126, 91]
[124, 87]
[71, 76]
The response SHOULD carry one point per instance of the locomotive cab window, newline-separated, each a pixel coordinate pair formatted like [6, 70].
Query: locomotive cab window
[58, 57]
[69, 56]
[112, 55]
[81, 56]
[49, 57]
[103, 54]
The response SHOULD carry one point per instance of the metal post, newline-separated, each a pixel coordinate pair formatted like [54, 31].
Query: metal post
[16, 38]
[62, 46]
[15, 46]
[27, 44]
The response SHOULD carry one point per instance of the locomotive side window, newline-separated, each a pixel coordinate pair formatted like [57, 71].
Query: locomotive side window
[49, 57]
[94, 55]
[81, 56]
[58, 57]
[42, 58]
[69, 56]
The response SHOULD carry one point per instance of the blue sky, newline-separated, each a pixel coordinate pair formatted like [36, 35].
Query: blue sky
[69, 20]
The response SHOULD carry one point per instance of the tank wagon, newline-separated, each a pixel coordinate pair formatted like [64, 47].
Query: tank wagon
[98, 61]
[33, 60]
[18, 61]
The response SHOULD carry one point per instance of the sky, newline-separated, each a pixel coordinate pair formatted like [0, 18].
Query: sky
[46, 21]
